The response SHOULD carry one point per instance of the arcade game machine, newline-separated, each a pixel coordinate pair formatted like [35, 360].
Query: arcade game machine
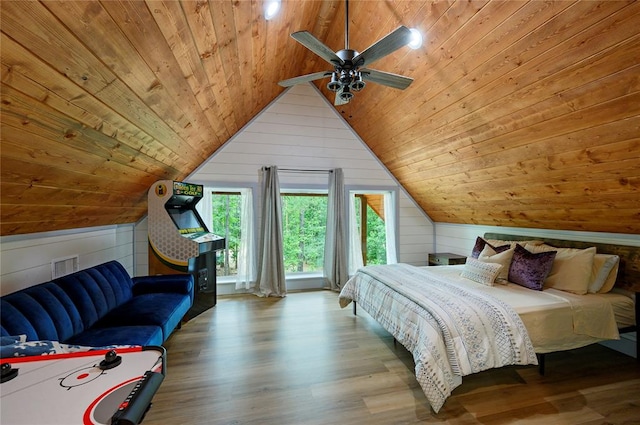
[179, 240]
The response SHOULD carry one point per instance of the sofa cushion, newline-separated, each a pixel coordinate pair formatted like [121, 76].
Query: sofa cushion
[22, 315]
[118, 335]
[170, 283]
[161, 309]
[97, 290]
[42, 312]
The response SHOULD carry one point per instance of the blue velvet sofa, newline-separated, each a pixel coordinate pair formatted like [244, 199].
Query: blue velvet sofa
[99, 306]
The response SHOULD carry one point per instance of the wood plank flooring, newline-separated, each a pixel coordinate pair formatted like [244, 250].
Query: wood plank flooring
[302, 360]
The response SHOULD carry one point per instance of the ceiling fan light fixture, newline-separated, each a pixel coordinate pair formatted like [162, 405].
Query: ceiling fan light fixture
[357, 84]
[334, 85]
[416, 39]
[346, 94]
[345, 77]
[271, 9]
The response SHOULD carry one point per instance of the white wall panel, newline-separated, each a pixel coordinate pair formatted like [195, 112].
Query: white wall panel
[25, 260]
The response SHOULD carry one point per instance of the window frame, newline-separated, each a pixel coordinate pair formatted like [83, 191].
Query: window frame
[225, 251]
[353, 190]
[306, 190]
[231, 187]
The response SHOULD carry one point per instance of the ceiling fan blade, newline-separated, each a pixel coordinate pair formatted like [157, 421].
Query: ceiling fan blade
[381, 48]
[386, 78]
[316, 46]
[304, 78]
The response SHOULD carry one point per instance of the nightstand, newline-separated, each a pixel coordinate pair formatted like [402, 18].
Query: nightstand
[446, 259]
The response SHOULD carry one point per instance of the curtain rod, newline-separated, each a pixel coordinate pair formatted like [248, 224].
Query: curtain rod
[300, 170]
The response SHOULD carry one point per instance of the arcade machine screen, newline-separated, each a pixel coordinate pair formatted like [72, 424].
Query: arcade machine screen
[187, 221]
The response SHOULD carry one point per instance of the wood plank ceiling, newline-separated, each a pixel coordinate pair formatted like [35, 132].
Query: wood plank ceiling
[522, 113]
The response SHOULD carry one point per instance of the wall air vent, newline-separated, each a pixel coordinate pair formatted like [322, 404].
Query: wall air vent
[64, 266]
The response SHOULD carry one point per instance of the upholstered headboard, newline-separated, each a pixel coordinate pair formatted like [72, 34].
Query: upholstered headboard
[628, 271]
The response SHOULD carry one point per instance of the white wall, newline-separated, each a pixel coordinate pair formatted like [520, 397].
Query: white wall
[25, 260]
[300, 130]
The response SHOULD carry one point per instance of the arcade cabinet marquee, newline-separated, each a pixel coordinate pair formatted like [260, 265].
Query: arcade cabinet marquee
[179, 241]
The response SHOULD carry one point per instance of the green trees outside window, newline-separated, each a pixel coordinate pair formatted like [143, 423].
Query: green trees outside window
[304, 220]
[376, 238]
[226, 221]
[304, 224]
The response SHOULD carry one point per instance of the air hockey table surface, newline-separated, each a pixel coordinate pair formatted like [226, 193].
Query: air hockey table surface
[81, 388]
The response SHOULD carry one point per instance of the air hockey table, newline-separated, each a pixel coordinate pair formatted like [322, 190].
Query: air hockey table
[98, 387]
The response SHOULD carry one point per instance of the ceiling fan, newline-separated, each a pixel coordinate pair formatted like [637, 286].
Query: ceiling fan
[348, 74]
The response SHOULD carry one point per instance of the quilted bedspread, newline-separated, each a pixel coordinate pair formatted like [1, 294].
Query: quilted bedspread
[450, 331]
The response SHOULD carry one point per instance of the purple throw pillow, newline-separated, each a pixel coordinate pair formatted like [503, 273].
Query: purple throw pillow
[479, 246]
[530, 270]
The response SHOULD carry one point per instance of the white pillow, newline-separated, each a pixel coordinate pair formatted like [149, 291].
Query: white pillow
[489, 255]
[571, 270]
[484, 273]
[603, 265]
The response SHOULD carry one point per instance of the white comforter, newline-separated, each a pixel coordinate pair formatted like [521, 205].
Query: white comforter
[450, 331]
[555, 320]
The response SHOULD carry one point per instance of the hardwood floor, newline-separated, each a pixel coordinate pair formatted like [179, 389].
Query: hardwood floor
[303, 360]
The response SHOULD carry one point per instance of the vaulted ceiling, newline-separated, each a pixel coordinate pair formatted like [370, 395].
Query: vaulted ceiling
[522, 113]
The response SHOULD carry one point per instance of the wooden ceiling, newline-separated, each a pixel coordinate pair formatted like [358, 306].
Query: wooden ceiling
[522, 113]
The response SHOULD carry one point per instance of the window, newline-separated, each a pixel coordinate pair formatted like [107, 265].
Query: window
[370, 211]
[226, 221]
[304, 219]
[304, 223]
[372, 228]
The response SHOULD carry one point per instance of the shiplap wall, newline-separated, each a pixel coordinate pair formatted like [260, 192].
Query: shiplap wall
[25, 260]
[300, 130]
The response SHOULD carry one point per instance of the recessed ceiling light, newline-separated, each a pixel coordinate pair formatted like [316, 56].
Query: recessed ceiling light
[271, 9]
[416, 39]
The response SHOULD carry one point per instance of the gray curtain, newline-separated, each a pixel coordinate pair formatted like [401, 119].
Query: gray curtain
[270, 279]
[336, 254]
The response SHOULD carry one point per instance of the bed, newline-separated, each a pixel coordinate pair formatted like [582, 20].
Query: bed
[462, 319]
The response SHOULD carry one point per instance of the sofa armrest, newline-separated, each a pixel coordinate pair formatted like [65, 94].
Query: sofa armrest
[176, 283]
